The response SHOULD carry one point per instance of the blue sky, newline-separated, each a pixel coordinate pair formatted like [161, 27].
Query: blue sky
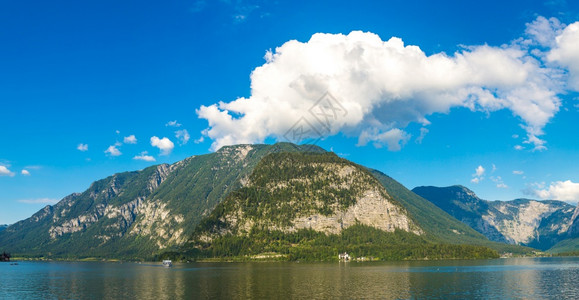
[98, 72]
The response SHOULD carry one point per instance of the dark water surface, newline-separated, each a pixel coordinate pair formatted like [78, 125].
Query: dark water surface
[515, 278]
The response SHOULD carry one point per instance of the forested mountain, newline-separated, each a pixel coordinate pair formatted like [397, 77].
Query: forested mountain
[241, 196]
[299, 205]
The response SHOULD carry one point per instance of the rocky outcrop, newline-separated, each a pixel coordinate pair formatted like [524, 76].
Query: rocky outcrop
[371, 209]
[122, 215]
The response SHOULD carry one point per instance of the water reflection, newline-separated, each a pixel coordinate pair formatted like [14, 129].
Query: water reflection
[554, 278]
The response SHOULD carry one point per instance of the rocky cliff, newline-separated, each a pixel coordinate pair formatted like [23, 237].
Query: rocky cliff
[537, 224]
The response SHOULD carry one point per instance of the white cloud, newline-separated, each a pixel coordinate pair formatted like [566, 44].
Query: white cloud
[517, 172]
[25, 172]
[423, 132]
[385, 85]
[173, 124]
[518, 147]
[499, 181]
[131, 139]
[560, 190]
[393, 138]
[183, 136]
[144, 156]
[4, 171]
[479, 171]
[566, 53]
[199, 140]
[494, 168]
[82, 147]
[164, 144]
[113, 151]
[39, 201]
[543, 31]
[478, 174]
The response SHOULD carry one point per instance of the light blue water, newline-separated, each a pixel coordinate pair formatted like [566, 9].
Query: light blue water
[516, 278]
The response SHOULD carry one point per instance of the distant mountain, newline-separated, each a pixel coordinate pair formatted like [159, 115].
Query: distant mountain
[532, 223]
[571, 243]
[2, 227]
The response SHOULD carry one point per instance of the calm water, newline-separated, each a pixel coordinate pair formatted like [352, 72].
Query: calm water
[522, 278]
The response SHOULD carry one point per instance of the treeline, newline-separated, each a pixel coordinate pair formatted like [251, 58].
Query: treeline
[358, 241]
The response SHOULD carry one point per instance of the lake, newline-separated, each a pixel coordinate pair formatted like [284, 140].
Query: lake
[513, 278]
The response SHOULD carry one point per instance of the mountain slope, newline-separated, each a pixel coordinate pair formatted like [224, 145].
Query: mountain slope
[135, 214]
[537, 224]
[571, 243]
[319, 204]
[440, 226]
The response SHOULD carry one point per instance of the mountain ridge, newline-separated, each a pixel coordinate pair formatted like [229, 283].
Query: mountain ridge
[527, 222]
[140, 214]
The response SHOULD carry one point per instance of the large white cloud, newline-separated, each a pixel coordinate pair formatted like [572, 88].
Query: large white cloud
[566, 53]
[560, 190]
[164, 144]
[382, 86]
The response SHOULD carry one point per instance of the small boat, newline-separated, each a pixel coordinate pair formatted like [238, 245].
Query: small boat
[167, 263]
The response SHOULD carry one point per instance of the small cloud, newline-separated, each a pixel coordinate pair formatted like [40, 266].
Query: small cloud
[199, 140]
[82, 147]
[515, 136]
[144, 156]
[494, 168]
[173, 124]
[25, 172]
[39, 201]
[479, 171]
[113, 150]
[394, 138]
[164, 144]
[517, 172]
[499, 181]
[183, 136]
[4, 171]
[117, 132]
[502, 186]
[518, 147]
[131, 139]
[478, 174]
[423, 132]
